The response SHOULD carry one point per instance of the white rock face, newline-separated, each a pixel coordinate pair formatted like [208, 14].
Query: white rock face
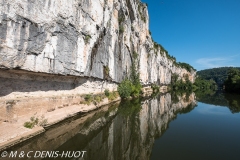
[88, 38]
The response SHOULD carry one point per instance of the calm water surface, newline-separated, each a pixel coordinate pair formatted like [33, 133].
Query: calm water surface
[167, 127]
[209, 132]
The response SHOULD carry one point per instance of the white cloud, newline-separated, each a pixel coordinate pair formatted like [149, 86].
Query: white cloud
[216, 62]
[211, 62]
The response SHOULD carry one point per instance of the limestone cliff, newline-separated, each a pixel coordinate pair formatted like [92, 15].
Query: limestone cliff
[85, 38]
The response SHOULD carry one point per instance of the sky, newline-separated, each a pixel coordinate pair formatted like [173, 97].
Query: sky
[202, 33]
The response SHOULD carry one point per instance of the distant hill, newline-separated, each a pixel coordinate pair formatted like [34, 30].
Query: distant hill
[219, 75]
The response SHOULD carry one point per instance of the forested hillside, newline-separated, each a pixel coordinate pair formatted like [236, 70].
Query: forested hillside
[219, 75]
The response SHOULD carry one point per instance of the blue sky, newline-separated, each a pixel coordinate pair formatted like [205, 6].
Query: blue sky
[203, 33]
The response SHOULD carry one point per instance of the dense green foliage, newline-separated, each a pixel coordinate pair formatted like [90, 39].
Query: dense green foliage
[130, 87]
[219, 75]
[188, 67]
[179, 84]
[125, 88]
[203, 84]
[187, 85]
[183, 85]
[106, 92]
[136, 85]
[232, 84]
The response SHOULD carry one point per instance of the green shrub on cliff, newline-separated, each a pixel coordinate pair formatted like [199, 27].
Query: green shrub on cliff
[179, 84]
[112, 96]
[87, 39]
[88, 97]
[155, 88]
[107, 93]
[35, 121]
[136, 90]
[125, 88]
[121, 29]
[136, 85]
[129, 88]
[30, 124]
[187, 66]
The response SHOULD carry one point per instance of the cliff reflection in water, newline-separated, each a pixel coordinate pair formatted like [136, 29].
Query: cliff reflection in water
[123, 131]
[133, 130]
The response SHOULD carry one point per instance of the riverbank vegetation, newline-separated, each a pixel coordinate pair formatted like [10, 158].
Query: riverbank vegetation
[35, 121]
[131, 86]
[203, 84]
[128, 88]
[96, 99]
[187, 85]
[219, 75]
[227, 78]
[232, 83]
[179, 84]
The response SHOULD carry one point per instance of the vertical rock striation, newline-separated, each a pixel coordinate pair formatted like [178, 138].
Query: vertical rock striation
[86, 38]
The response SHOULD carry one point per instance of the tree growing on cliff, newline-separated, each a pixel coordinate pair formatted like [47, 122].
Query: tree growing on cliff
[187, 66]
[125, 88]
[136, 87]
[179, 84]
[130, 87]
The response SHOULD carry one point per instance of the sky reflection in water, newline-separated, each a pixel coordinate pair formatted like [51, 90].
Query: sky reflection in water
[207, 132]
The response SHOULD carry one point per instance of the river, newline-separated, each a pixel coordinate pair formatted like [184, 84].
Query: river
[168, 126]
